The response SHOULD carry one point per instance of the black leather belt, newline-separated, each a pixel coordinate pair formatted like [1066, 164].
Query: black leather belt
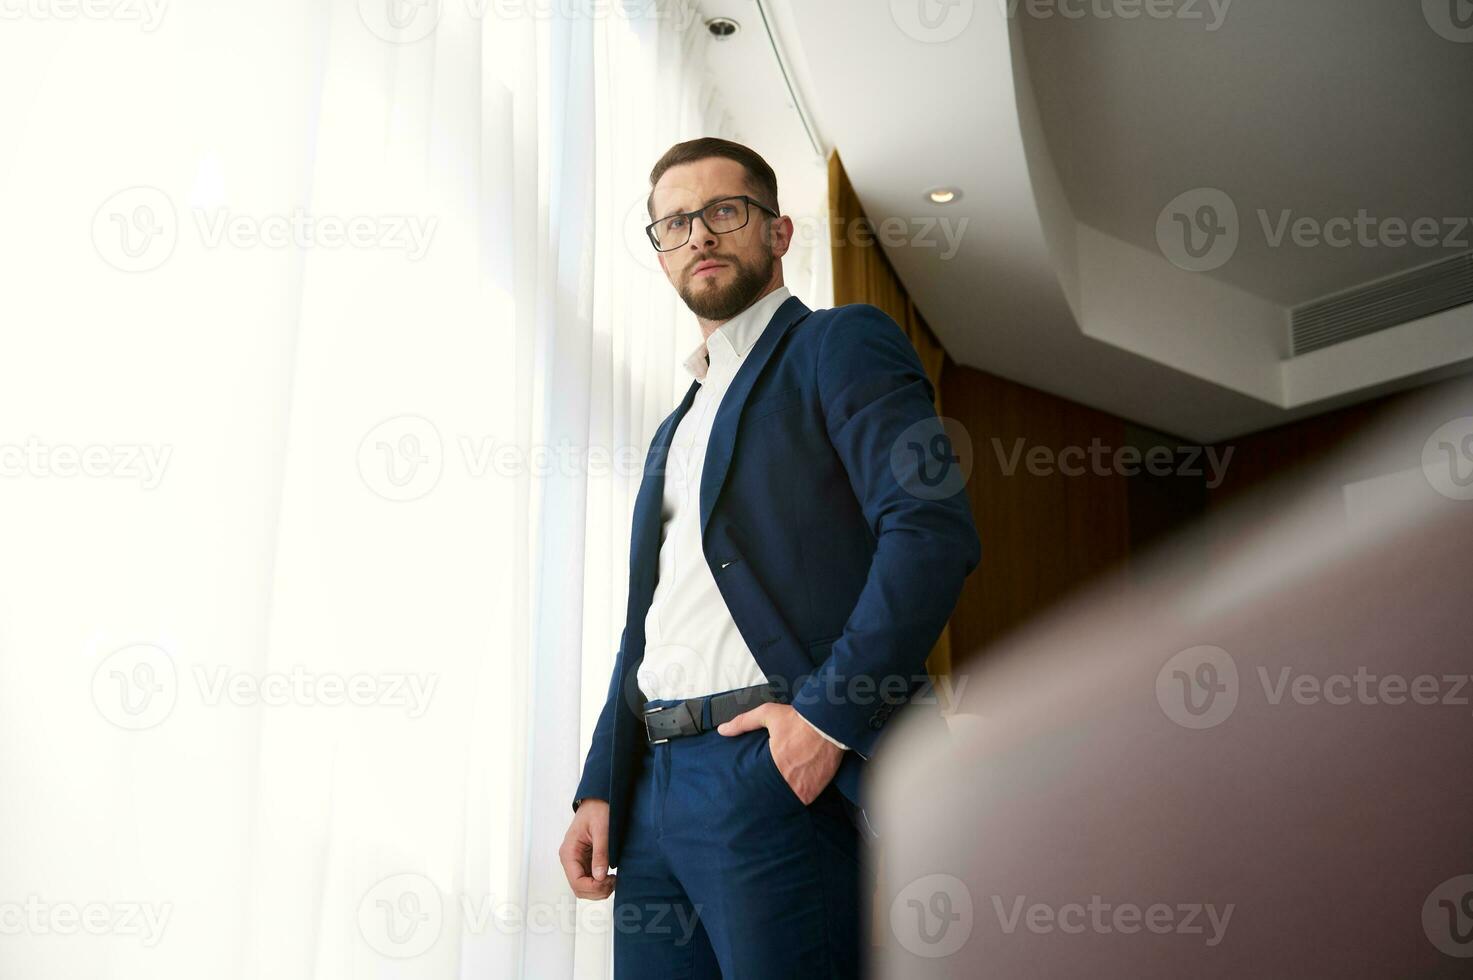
[684, 717]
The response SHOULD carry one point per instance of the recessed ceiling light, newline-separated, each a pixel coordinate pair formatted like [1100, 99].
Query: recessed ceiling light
[722, 28]
[943, 195]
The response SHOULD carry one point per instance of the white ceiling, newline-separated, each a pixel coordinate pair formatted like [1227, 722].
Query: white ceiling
[1068, 137]
[1320, 107]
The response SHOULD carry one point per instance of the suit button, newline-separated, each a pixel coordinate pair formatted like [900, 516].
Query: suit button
[877, 723]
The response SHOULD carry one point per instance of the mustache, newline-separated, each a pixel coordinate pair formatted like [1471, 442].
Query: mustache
[691, 270]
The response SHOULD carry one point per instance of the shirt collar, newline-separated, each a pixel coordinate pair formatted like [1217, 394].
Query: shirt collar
[729, 343]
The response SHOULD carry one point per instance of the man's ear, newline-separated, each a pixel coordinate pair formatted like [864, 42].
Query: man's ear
[781, 234]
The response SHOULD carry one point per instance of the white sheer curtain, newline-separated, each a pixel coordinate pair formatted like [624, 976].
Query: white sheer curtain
[331, 349]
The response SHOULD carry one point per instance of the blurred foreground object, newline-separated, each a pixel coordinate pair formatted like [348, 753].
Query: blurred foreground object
[1252, 757]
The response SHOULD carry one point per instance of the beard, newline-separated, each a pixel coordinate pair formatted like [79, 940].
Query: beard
[721, 303]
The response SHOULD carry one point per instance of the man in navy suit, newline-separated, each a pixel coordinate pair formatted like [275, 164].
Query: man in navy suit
[799, 539]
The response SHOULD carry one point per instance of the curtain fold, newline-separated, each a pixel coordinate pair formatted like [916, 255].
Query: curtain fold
[531, 139]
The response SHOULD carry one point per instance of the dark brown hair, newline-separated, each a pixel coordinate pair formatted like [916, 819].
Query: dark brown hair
[761, 181]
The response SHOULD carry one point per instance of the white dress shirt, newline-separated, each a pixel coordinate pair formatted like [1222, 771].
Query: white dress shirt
[692, 645]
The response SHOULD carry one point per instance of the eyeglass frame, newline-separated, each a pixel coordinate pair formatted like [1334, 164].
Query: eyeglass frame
[700, 212]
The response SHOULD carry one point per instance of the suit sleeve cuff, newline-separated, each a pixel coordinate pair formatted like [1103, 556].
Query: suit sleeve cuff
[825, 734]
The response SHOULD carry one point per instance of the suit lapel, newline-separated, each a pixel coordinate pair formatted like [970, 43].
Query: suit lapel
[724, 428]
[645, 527]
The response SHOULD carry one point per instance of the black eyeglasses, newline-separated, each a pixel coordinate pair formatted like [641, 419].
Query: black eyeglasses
[725, 215]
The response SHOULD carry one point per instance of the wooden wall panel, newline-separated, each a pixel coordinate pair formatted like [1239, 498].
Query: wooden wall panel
[1042, 535]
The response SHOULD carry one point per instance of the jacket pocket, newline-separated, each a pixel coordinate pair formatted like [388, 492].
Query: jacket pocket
[771, 404]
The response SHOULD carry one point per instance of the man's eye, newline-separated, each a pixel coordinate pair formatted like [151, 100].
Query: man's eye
[675, 223]
[725, 211]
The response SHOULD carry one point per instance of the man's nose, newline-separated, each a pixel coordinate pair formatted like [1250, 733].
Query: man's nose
[706, 237]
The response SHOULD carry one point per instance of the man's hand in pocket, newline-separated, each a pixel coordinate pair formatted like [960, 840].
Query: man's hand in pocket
[806, 760]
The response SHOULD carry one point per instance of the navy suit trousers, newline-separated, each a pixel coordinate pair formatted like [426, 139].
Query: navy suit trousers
[725, 873]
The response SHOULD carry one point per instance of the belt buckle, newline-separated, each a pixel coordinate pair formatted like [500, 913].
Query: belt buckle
[647, 732]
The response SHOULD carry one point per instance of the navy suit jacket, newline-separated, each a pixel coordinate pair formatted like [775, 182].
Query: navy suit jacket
[823, 523]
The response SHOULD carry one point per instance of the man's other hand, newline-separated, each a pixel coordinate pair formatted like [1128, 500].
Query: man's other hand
[585, 851]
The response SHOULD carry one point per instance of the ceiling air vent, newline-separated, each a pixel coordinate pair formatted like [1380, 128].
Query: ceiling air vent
[1382, 304]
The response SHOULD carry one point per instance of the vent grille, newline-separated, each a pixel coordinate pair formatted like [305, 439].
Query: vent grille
[1383, 304]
